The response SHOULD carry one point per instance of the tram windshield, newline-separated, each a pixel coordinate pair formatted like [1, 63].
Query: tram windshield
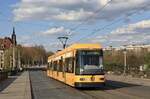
[90, 60]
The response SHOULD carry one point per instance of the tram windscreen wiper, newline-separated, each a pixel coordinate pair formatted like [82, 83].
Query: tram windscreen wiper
[89, 61]
[91, 67]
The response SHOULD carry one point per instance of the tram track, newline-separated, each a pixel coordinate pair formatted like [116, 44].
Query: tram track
[127, 92]
[48, 88]
[89, 94]
[31, 87]
[107, 92]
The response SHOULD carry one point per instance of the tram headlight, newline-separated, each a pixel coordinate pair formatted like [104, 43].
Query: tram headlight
[81, 70]
[82, 79]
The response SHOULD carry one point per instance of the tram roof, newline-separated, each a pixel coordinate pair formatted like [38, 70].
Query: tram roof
[78, 46]
[83, 46]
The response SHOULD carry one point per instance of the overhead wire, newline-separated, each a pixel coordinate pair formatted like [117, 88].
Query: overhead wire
[72, 29]
[92, 16]
[69, 34]
[106, 26]
[88, 18]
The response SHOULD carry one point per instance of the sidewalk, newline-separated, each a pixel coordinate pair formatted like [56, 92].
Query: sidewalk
[128, 79]
[18, 89]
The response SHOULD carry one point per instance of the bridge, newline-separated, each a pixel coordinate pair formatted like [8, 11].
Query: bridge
[34, 84]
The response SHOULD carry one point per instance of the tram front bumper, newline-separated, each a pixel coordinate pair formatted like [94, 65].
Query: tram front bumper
[89, 85]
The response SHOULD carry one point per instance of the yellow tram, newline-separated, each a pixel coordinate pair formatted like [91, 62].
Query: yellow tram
[80, 65]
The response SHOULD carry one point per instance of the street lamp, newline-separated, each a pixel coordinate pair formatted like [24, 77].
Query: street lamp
[125, 60]
[10, 62]
[14, 57]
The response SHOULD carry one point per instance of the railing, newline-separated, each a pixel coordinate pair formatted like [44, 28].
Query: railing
[3, 75]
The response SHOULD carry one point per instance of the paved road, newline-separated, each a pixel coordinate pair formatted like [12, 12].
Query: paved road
[47, 88]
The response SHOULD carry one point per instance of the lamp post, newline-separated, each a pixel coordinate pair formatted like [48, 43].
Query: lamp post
[19, 60]
[125, 61]
[14, 58]
[10, 61]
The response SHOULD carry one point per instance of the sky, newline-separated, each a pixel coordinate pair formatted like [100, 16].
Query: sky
[107, 22]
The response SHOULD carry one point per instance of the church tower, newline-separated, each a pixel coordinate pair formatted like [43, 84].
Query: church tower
[13, 37]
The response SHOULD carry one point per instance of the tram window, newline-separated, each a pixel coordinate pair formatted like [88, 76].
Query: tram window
[52, 66]
[55, 65]
[49, 65]
[77, 64]
[69, 62]
[60, 65]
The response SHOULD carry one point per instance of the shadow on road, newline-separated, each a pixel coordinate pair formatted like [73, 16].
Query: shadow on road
[111, 85]
[4, 84]
[118, 84]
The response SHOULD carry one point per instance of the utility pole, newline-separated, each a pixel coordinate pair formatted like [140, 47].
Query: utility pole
[19, 61]
[14, 58]
[10, 60]
[28, 63]
[63, 40]
[125, 61]
[42, 61]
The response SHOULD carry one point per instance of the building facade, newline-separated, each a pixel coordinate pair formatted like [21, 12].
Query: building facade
[136, 48]
[6, 43]
[1, 59]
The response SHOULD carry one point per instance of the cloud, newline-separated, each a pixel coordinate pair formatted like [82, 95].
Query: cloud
[76, 10]
[73, 15]
[61, 31]
[132, 29]
[28, 44]
[138, 33]
[24, 37]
